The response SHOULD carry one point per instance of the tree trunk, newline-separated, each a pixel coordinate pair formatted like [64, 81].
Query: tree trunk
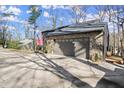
[4, 38]
[113, 39]
[122, 42]
[34, 40]
[118, 41]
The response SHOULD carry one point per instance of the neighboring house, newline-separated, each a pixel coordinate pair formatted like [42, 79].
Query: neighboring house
[26, 44]
[84, 40]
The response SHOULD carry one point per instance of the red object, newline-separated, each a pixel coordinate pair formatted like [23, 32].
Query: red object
[39, 42]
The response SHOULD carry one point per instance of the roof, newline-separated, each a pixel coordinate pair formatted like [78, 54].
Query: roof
[25, 42]
[51, 30]
[76, 28]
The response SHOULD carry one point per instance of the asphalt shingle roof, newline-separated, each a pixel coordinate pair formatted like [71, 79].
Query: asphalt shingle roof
[76, 28]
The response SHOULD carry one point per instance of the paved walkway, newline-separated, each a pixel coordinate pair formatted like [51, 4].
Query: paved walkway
[40, 70]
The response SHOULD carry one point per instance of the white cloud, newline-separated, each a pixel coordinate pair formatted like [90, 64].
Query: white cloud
[90, 17]
[28, 11]
[37, 30]
[61, 7]
[46, 14]
[2, 8]
[13, 19]
[58, 6]
[81, 20]
[11, 28]
[13, 10]
[61, 18]
[9, 18]
[24, 22]
[46, 6]
[55, 6]
[67, 7]
[8, 27]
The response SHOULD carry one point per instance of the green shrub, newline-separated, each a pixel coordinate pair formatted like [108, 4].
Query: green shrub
[13, 44]
[96, 56]
[1, 42]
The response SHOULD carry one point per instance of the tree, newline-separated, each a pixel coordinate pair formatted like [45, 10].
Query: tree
[114, 13]
[35, 12]
[53, 17]
[27, 33]
[122, 40]
[101, 12]
[54, 21]
[79, 13]
[5, 27]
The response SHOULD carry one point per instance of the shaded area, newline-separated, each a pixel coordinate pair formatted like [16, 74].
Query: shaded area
[118, 65]
[60, 71]
[107, 74]
[104, 83]
[73, 47]
[64, 48]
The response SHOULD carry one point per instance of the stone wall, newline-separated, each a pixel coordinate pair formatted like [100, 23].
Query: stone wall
[81, 47]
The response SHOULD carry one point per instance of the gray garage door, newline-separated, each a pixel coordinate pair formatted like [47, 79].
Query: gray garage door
[73, 47]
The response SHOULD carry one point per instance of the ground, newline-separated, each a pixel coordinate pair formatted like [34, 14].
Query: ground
[34, 70]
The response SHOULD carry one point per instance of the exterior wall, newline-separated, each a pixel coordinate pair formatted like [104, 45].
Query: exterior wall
[96, 47]
[81, 46]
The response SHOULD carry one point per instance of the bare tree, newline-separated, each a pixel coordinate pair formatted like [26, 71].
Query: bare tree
[122, 40]
[114, 12]
[54, 21]
[5, 28]
[79, 13]
[53, 17]
[101, 12]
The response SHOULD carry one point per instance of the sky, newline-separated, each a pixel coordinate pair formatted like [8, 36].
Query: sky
[21, 16]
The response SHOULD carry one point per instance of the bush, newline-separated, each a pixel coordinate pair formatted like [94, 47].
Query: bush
[96, 57]
[13, 44]
[1, 42]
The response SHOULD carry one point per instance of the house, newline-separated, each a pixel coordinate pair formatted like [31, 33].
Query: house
[26, 44]
[85, 40]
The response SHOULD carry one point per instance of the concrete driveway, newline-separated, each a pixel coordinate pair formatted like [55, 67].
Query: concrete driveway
[30, 70]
